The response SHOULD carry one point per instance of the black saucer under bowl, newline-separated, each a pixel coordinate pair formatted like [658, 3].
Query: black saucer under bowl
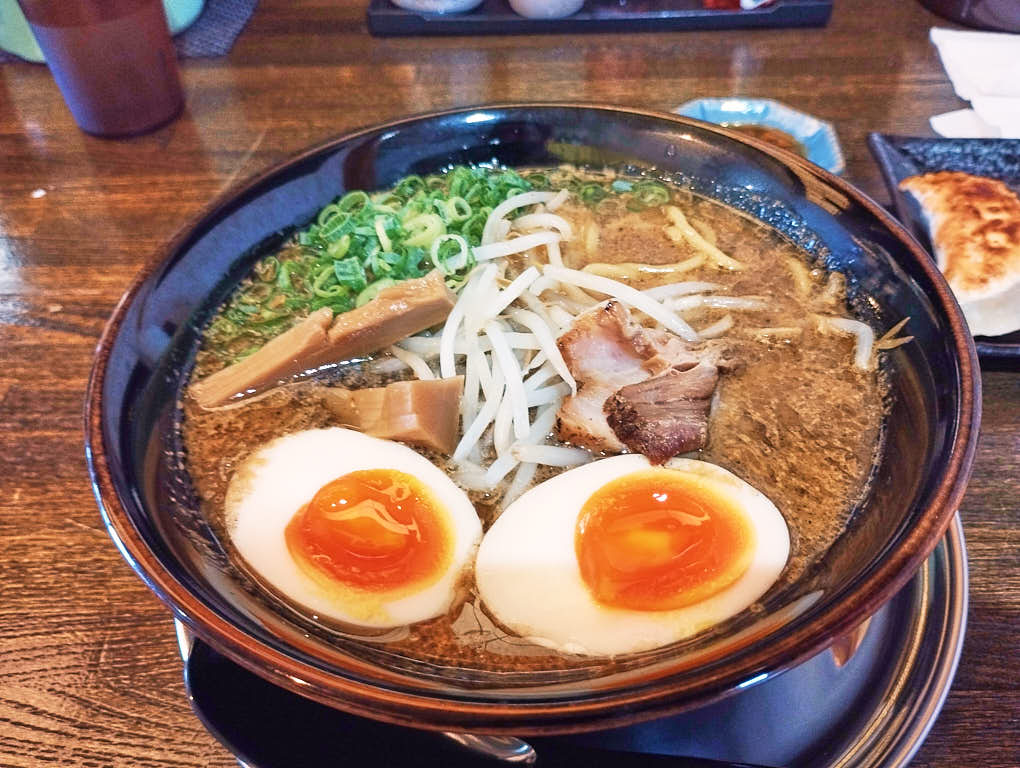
[870, 711]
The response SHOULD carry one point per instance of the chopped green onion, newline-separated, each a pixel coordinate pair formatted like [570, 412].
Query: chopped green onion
[373, 290]
[328, 213]
[319, 284]
[380, 232]
[451, 260]
[338, 248]
[651, 193]
[283, 276]
[353, 202]
[381, 263]
[591, 194]
[337, 226]
[423, 229]
[350, 274]
[408, 186]
[361, 242]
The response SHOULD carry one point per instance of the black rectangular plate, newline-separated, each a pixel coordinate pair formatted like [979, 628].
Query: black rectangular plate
[495, 17]
[901, 156]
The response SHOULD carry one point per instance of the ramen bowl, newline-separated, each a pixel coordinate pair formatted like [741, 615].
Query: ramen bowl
[147, 347]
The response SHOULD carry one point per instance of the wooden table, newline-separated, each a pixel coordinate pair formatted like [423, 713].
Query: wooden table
[89, 672]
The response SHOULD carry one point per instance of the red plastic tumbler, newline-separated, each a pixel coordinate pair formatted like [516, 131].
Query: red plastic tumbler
[112, 59]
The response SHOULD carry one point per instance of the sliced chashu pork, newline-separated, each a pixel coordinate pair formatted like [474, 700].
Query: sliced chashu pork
[666, 415]
[634, 389]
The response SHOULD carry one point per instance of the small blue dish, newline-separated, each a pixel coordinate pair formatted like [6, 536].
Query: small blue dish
[817, 136]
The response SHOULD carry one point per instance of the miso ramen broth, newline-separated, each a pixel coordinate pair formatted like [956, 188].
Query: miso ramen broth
[794, 413]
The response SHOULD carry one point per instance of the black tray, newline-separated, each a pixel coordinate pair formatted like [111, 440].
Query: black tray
[496, 17]
[902, 156]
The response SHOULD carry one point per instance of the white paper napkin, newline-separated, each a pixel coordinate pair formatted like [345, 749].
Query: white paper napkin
[963, 124]
[984, 68]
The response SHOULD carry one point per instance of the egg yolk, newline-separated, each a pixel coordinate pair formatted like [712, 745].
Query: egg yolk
[376, 529]
[659, 540]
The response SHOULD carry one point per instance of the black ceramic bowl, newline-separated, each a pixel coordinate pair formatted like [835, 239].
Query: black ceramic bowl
[146, 349]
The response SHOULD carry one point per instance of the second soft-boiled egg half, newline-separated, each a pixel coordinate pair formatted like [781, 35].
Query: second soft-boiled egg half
[618, 556]
[354, 528]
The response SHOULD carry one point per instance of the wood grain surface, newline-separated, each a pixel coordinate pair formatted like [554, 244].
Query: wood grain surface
[89, 672]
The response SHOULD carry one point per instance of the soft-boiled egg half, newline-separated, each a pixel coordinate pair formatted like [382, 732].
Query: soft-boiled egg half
[354, 528]
[619, 556]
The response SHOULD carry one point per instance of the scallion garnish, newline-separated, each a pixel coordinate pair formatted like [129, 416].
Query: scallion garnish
[359, 244]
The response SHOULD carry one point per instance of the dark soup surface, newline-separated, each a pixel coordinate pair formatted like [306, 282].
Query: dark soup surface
[502, 349]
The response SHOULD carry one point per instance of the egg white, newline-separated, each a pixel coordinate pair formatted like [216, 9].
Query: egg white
[529, 579]
[284, 475]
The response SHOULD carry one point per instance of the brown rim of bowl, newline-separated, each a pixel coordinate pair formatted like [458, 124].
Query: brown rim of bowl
[609, 709]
